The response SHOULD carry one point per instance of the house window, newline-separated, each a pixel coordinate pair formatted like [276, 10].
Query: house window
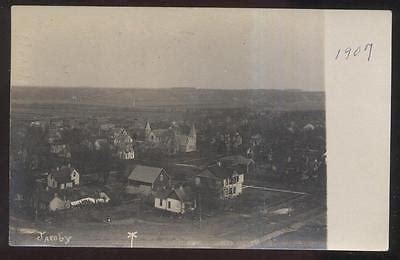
[169, 204]
[160, 202]
[225, 192]
[161, 177]
[234, 179]
[230, 191]
[234, 190]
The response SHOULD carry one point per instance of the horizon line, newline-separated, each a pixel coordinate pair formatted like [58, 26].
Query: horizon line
[158, 88]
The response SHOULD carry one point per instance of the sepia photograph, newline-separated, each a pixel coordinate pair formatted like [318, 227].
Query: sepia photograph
[168, 128]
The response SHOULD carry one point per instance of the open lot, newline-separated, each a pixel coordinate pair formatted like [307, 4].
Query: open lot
[247, 223]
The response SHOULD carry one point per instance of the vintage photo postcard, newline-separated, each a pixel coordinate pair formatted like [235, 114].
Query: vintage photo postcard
[199, 128]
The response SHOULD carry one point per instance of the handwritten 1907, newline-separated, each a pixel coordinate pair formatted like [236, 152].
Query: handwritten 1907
[365, 50]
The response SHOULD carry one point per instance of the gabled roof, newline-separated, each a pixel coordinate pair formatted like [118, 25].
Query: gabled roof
[62, 174]
[216, 172]
[145, 174]
[163, 194]
[206, 174]
[183, 194]
[235, 160]
[238, 163]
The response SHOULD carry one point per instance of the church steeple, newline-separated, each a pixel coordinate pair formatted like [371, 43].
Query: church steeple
[147, 129]
[192, 131]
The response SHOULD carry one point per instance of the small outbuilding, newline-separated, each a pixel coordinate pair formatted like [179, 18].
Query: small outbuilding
[178, 200]
[45, 201]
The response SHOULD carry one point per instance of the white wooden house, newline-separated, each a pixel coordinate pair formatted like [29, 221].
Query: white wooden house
[63, 177]
[224, 182]
[126, 154]
[178, 200]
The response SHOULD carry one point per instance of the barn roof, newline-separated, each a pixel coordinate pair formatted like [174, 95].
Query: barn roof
[145, 174]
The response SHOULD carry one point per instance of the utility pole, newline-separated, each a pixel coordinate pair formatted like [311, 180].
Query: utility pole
[200, 211]
[132, 236]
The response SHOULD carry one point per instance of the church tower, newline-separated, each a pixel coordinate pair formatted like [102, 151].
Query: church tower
[147, 130]
[191, 145]
[192, 132]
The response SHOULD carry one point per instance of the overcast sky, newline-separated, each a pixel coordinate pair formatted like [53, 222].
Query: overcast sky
[167, 47]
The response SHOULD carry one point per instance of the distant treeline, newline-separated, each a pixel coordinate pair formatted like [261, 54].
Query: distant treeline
[170, 97]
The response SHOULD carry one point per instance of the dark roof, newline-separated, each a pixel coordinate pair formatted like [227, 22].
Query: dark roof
[145, 174]
[62, 174]
[216, 172]
[234, 160]
[206, 174]
[183, 193]
[238, 158]
[239, 168]
[163, 194]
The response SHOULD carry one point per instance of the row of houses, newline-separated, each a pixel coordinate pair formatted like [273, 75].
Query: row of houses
[116, 139]
[63, 191]
[219, 181]
[172, 139]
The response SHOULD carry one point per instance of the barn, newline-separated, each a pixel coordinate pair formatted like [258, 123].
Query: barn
[146, 179]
